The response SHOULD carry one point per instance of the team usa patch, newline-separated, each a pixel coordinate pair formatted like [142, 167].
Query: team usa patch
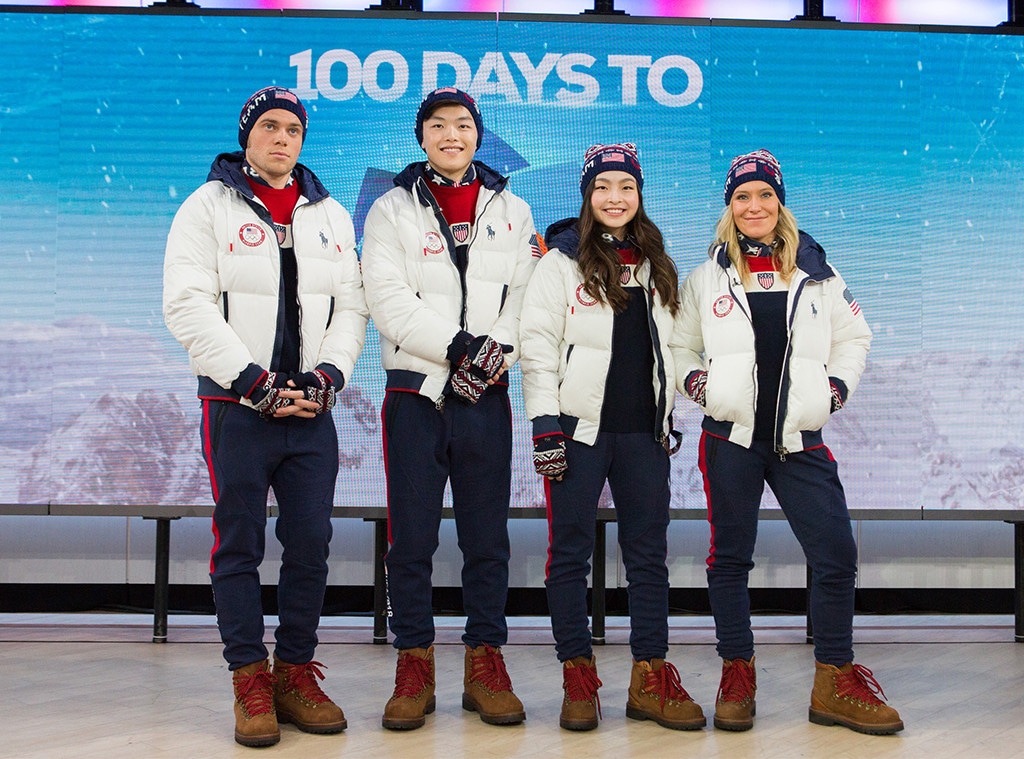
[537, 246]
[251, 235]
[432, 243]
[722, 306]
[766, 279]
[625, 274]
[585, 298]
[848, 297]
[460, 232]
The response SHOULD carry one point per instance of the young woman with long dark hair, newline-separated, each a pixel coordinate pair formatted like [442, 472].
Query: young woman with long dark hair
[599, 387]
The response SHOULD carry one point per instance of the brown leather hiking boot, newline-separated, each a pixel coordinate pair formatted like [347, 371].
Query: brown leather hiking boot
[299, 699]
[655, 693]
[487, 688]
[581, 707]
[735, 706]
[255, 720]
[413, 698]
[848, 696]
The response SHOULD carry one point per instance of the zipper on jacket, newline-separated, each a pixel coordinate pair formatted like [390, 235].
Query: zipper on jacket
[780, 448]
[659, 361]
[445, 228]
[753, 374]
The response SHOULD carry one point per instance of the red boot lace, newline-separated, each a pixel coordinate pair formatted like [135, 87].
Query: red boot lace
[737, 682]
[581, 684]
[412, 675]
[489, 670]
[859, 684]
[255, 692]
[665, 683]
[302, 678]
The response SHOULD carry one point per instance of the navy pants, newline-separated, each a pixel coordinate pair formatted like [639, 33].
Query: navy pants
[636, 468]
[246, 457]
[470, 447]
[807, 487]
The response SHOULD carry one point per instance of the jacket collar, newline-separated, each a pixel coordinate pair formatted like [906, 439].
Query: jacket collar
[227, 168]
[414, 173]
[564, 235]
[810, 258]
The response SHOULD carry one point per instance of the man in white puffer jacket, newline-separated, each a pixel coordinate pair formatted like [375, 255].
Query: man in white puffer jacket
[262, 287]
[446, 258]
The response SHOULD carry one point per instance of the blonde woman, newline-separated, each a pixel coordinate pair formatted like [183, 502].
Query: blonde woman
[769, 344]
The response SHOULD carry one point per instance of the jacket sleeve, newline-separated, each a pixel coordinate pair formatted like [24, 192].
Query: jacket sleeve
[343, 340]
[397, 311]
[506, 326]
[687, 342]
[541, 332]
[192, 291]
[851, 335]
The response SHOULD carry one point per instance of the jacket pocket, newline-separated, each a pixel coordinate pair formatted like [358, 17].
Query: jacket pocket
[729, 393]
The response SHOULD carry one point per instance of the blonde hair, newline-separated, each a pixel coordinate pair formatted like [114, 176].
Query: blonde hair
[787, 237]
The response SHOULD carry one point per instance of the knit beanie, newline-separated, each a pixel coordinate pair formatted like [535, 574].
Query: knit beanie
[751, 167]
[619, 157]
[265, 100]
[448, 96]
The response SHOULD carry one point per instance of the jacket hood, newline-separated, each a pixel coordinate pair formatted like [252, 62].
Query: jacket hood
[227, 168]
[564, 235]
[810, 258]
[412, 173]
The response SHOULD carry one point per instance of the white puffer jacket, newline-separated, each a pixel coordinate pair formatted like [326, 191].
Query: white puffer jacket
[222, 271]
[566, 339]
[828, 337]
[416, 296]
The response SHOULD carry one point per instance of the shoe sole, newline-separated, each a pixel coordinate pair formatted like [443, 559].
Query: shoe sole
[827, 719]
[257, 741]
[639, 714]
[513, 718]
[735, 725]
[398, 723]
[312, 727]
[577, 726]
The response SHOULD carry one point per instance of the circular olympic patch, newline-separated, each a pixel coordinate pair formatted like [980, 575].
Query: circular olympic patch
[585, 298]
[251, 235]
[432, 243]
[722, 306]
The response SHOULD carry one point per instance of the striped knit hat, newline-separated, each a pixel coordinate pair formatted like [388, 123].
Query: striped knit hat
[619, 157]
[265, 100]
[751, 167]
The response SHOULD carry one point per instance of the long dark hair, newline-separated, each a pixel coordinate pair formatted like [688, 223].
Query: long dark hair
[599, 261]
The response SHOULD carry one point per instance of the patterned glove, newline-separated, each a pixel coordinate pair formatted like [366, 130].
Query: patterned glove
[317, 386]
[696, 386]
[266, 394]
[838, 389]
[483, 360]
[549, 456]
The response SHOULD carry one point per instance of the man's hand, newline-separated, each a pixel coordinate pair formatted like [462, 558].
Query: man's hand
[549, 456]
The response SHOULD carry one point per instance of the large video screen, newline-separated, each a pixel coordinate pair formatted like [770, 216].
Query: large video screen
[902, 154]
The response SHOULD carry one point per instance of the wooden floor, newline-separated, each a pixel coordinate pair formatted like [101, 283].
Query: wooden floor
[94, 687]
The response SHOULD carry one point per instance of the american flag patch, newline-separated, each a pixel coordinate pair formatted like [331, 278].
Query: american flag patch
[613, 157]
[460, 231]
[766, 279]
[746, 168]
[848, 297]
[286, 95]
[537, 246]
